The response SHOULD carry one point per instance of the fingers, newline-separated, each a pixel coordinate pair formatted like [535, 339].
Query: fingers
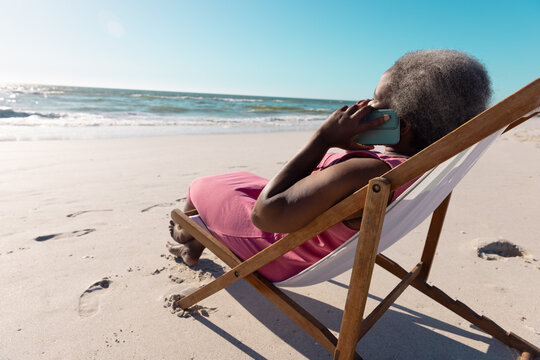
[356, 107]
[374, 123]
[350, 111]
[362, 111]
[363, 101]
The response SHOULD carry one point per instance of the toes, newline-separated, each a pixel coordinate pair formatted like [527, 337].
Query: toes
[173, 231]
[182, 252]
[175, 250]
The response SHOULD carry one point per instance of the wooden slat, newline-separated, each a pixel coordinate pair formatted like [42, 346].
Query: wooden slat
[304, 319]
[432, 239]
[376, 314]
[364, 261]
[298, 314]
[190, 212]
[482, 322]
[390, 265]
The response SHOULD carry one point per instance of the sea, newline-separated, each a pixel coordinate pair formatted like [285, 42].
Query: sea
[46, 112]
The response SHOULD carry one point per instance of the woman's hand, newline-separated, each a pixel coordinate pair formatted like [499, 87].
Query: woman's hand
[295, 196]
[344, 124]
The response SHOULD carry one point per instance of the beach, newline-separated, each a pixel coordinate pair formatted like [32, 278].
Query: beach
[85, 274]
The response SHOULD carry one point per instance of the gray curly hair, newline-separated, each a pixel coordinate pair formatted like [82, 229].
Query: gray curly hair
[436, 91]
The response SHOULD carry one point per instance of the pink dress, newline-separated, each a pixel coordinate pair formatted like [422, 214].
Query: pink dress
[225, 202]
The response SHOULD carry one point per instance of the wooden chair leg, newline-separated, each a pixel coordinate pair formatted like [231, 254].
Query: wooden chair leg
[379, 311]
[432, 239]
[304, 319]
[459, 308]
[364, 261]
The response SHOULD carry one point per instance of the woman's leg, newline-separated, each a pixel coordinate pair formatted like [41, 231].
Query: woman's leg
[179, 235]
[190, 249]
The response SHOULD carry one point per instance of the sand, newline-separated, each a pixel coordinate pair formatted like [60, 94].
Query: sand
[84, 273]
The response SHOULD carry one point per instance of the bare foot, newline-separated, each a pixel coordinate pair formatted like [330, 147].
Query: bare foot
[178, 235]
[190, 252]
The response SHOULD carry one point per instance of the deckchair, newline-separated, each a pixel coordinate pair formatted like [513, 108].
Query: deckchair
[436, 170]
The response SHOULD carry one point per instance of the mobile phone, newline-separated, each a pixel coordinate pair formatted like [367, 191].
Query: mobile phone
[385, 134]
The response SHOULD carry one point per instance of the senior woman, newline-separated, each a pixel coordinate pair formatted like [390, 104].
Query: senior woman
[432, 91]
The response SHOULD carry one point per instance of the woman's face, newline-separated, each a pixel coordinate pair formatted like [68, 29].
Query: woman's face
[380, 96]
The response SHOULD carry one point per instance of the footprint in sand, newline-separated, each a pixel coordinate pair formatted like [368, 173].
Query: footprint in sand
[76, 233]
[169, 301]
[89, 300]
[85, 211]
[205, 271]
[495, 250]
[163, 204]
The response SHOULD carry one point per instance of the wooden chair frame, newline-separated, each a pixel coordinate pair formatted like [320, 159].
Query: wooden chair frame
[373, 198]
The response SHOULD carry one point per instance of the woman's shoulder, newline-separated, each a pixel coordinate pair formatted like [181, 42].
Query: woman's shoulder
[333, 158]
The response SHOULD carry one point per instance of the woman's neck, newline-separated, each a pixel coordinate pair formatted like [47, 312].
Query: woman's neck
[399, 150]
[403, 147]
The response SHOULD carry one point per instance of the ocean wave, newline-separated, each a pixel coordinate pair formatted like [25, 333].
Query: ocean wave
[168, 109]
[85, 120]
[293, 109]
[46, 93]
[9, 113]
[167, 97]
[236, 100]
[190, 97]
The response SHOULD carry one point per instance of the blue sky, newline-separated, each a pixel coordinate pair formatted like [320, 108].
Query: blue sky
[313, 49]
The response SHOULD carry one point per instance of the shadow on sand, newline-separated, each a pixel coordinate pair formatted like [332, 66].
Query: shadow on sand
[401, 333]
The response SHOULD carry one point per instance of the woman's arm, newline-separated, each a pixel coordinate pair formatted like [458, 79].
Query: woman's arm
[295, 196]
